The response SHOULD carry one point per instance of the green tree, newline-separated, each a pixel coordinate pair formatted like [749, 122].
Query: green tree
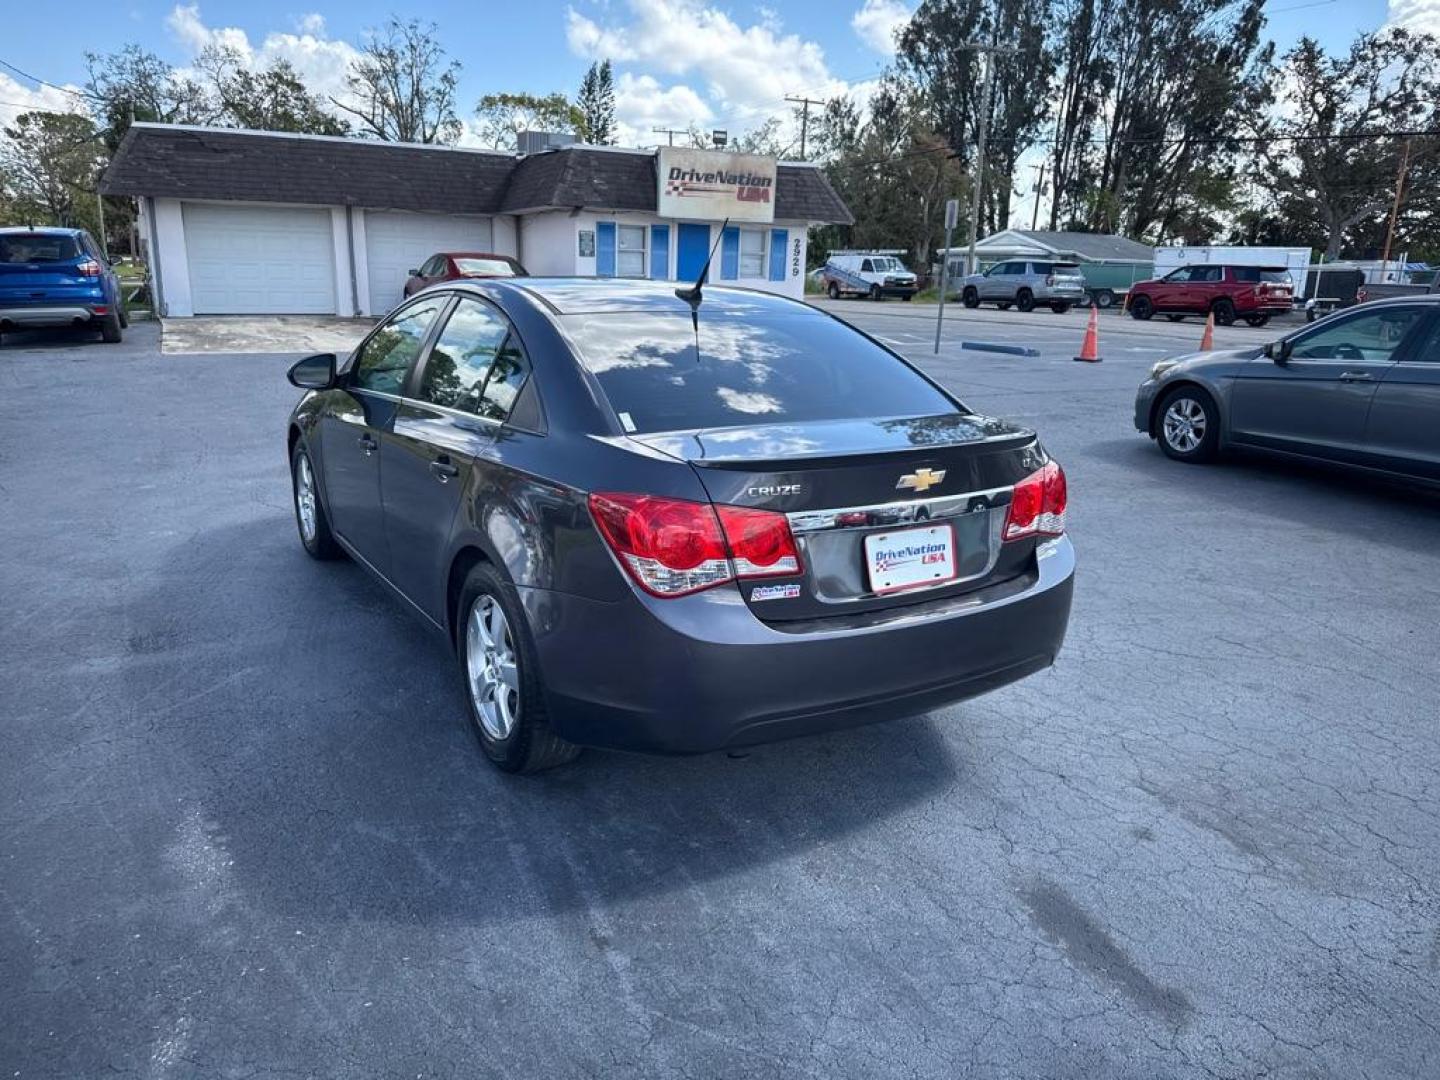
[134, 84]
[51, 162]
[504, 116]
[595, 105]
[272, 99]
[404, 85]
[1333, 177]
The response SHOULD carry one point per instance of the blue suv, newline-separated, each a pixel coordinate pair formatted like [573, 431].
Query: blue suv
[58, 277]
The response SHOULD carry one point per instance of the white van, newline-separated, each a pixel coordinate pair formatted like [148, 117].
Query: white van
[876, 274]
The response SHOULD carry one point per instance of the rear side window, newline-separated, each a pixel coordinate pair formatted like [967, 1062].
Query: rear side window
[38, 247]
[1253, 275]
[385, 358]
[750, 369]
[461, 357]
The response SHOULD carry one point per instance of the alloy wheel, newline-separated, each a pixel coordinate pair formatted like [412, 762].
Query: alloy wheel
[305, 498]
[491, 667]
[1184, 425]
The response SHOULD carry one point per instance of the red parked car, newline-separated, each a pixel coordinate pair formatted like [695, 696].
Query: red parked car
[453, 265]
[1252, 293]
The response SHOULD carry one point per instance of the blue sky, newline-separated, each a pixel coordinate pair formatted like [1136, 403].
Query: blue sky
[716, 63]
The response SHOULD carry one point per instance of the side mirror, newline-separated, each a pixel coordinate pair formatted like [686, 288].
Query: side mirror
[314, 372]
[1279, 351]
[414, 273]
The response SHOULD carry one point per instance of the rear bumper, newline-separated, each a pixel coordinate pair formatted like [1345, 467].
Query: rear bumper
[1067, 296]
[50, 315]
[701, 673]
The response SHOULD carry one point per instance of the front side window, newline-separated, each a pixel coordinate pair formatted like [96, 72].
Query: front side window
[752, 254]
[1178, 277]
[462, 357]
[747, 369]
[385, 358]
[630, 251]
[1372, 336]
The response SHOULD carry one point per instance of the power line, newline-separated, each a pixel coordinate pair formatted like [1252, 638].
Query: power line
[42, 82]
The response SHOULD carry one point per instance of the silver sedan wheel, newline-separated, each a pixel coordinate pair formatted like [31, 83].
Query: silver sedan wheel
[305, 498]
[1184, 424]
[490, 665]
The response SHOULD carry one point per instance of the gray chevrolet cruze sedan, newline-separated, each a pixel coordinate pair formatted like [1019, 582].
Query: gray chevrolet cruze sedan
[644, 530]
[1360, 388]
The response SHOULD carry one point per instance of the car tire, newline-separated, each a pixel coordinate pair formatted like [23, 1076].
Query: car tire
[833, 291]
[876, 294]
[1224, 312]
[1103, 298]
[970, 297]
[110, 329]
[1025, 300]
[1142, 308]
[1187, 425]
[124, 320]
[310, 517]
[1176, 316]
[507, 715]
[1256, 320]
[907, 297]
[1059, 309]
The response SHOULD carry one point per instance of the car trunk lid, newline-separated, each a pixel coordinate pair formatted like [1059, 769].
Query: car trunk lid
[885, 512]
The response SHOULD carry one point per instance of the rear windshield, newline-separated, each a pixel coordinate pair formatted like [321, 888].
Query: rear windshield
[750, 369]
[38, 248]
[1253, 274]
[486, 267]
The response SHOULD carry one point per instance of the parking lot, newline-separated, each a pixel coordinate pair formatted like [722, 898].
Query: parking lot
[244, 832]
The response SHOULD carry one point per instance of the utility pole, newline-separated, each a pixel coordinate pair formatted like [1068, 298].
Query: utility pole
[952, 213]
[978, 178]
[1395, 208]
[1039, 190]
[670, 132]
[804, 103]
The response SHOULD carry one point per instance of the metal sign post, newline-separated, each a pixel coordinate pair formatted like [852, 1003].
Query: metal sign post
[952, 214]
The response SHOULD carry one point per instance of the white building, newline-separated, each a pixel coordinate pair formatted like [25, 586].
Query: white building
[252, 222]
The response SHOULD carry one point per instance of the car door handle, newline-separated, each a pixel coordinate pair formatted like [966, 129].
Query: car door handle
[444, 469]
[1357, 376]
[367, 443]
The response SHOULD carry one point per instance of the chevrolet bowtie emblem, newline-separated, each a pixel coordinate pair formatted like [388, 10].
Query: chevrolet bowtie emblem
[920, 480]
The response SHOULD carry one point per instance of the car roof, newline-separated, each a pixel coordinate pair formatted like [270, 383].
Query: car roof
[576, 296]
[475, 255]
[50, 230]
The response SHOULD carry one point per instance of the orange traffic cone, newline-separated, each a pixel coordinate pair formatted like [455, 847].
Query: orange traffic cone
[1090, 350]
[1207, 339]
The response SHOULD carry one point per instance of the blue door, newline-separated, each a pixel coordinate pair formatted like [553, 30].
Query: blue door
[690, 253]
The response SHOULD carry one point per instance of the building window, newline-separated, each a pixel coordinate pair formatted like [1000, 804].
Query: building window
[630, 256]
[752, 253]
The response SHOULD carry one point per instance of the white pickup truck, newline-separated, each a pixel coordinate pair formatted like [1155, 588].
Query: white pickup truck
[876, 274]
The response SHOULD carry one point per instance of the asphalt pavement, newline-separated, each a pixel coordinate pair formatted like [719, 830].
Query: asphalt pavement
[243, 831]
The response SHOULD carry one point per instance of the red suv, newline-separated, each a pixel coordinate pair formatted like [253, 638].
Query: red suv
[1252, 293]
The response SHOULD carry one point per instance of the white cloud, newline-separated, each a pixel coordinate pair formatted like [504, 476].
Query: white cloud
[643, 104]
[17, 98]
[878, 22]
[744, 71]
[320, 61]
[1415, 15]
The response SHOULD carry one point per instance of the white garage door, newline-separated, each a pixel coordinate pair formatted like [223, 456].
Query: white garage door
[259, 260]
[397, 242]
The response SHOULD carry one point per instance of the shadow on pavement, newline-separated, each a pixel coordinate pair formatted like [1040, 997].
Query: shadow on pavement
[325, 759]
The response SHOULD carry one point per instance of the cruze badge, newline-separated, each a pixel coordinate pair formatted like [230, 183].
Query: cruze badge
[920, 480]
[767, 490]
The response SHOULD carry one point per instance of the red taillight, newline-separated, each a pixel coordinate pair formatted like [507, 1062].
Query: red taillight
[672, 547]
[89, 268]
[760, 542]
[1037, 507]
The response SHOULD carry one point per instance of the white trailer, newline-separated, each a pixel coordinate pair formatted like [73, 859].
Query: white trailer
[1296, 260]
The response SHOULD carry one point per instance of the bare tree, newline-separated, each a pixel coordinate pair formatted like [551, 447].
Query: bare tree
[403, 86]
